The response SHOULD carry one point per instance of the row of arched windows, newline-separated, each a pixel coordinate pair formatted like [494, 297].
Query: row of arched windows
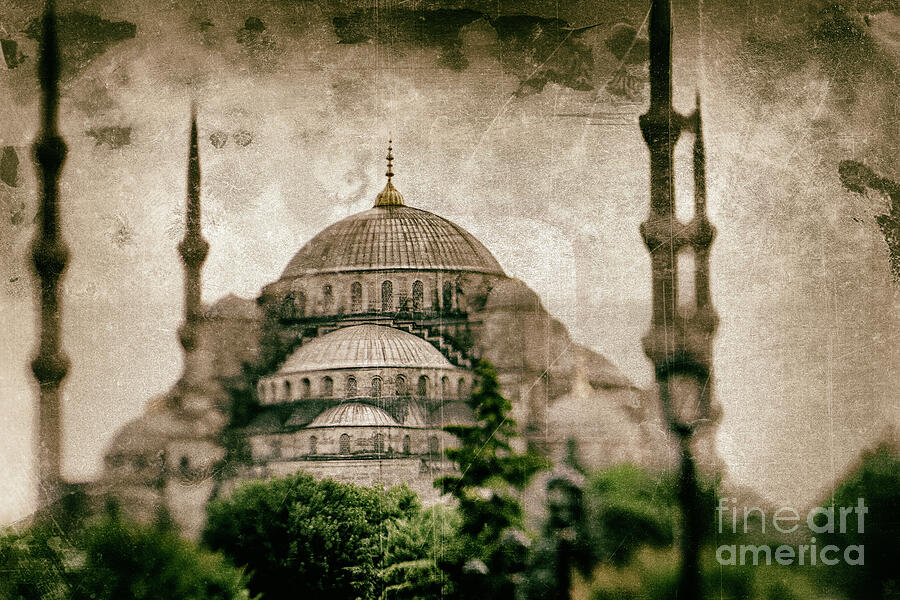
[434, 447]
[294, 303]
[376, 388]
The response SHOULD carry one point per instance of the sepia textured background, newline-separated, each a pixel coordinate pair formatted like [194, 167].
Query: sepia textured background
[501, 122]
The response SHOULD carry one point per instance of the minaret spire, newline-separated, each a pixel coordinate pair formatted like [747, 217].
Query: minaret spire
[193, 249]
[389, 196]
[49, 256]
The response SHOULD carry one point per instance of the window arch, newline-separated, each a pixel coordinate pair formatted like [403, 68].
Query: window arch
[287, 391]
[445, 387]
[400, 387]
[327, 297]
[356, 297]
[305, 388]
[344, 444]
[406, 444]
[327, 387]
[387, 296]
[447, 296]
[313, 445]
[379, 443]
[288, 306]
[461, 388]
[422, 387]
[376, 387]
[351, 386]
[418, 296]
[299, 304]
[434, 446]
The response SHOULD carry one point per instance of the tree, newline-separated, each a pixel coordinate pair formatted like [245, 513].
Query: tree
[491, 547]
[302, 538]
[877, 483]
[112, 559]
[414, 548]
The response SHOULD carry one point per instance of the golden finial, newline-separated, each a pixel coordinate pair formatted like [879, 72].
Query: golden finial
[389, 196]
[390, 159]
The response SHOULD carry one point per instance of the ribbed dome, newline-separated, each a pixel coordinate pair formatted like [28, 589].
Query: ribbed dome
[354, 414]
[362, 346]
[392, 237]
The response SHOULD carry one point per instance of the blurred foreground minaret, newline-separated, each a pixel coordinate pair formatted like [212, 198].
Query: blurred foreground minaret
[49, 256]
[683, 319]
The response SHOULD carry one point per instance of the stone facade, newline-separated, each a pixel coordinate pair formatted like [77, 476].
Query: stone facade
[351, 363]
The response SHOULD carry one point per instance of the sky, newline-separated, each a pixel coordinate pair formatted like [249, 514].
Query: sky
[501, 121]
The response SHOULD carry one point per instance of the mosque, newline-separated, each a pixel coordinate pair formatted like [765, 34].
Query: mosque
[351, 363]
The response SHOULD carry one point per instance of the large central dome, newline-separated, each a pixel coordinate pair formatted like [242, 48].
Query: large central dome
[392, 237]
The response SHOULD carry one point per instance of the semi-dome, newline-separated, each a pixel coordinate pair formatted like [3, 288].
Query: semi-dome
[363, 346]
[354, 414]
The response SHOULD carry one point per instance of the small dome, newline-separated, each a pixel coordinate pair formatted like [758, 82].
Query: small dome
[354, 414]
[361, 346]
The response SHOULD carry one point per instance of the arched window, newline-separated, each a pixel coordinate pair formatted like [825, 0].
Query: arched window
[376, 387]
[445, 387]
[448, 296]
[422, 387]
[461, 388]
[299, 304]
[184, 465]
[418, 296]
[344, 444]
[313, 445]
[434, 446]
[356, 297]
[400, 386]
[327, 387]
[327, 297]
[406, 444]
[287, 306]
[379, 443]
[305, 388]
[351, 387]
[387, 296]
[287, 391]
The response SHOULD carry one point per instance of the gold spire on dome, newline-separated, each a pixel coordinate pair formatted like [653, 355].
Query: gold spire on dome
[389, 196]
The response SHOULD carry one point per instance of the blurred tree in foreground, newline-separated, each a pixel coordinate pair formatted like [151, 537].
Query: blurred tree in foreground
[877, 483]
[112, 559]
[302, 538]
[489, 553]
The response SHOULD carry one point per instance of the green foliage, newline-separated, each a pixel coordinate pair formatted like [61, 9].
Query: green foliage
[636, 518]
[566, 543]
[415, 546]
[630, 508]
[112, 559]
[303, 538]
[877, 482]
[490, 546]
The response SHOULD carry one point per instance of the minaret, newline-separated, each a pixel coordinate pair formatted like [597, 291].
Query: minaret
[49, 256]
[193, 249]
[679, 341]
[680, 337]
